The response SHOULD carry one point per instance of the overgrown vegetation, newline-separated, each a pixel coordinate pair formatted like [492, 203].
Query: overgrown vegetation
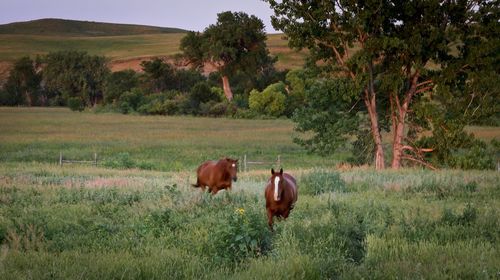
[92, 222]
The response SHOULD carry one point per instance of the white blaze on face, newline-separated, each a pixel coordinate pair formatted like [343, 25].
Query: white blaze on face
[233, 165]
[276, 184]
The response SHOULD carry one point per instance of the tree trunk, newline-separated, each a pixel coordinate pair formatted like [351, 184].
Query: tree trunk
[397, 145]
[227, 88]
[377, 137]
[398, 119]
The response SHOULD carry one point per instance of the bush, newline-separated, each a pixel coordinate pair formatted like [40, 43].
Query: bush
[76, 104]
[478, 156]
[322, 181]
[271, 101]
[203, 93]
[243, 234]
[118, 83]
[131, 100]
[120, 161]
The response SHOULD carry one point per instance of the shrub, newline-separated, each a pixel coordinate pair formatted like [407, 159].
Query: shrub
[243, 234]
[118, 83]
[322, 181]
[131, 100]
[120, 161]
[271, 101]
[76, 104]
[203, 93]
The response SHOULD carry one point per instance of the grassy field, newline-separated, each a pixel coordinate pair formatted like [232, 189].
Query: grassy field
[158, 142]
[86, 222]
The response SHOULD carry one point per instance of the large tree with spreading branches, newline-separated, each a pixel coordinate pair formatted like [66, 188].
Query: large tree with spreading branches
[237, 42]
[393, 53]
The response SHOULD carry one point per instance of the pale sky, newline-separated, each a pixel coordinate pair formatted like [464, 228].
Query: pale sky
[186, 14]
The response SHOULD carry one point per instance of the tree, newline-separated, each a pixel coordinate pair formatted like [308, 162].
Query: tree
[159, 76]
[235, 43]
[76, 74]
[23, 85]
[118, 83]
[396, 42]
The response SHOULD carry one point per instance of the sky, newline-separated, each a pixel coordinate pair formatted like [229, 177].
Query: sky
[186, 14]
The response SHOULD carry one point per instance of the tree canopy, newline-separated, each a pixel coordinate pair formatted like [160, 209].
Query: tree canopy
[236, 42]
[395, 53]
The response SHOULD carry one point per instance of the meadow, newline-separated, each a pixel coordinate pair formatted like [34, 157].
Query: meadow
[144, 221]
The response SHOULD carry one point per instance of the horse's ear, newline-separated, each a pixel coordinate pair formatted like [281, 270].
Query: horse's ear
[272, 171]
[281, 171]
[236, 160]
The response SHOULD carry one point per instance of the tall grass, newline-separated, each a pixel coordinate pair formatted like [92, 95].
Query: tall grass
[112, 221]
[88, 222]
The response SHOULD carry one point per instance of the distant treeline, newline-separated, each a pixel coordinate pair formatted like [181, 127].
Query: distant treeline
[79, 80]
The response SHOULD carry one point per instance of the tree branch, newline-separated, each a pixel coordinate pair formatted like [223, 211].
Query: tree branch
[426, 164]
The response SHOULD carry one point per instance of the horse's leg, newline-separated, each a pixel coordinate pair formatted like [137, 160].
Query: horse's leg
[215, 190]
[270, 219]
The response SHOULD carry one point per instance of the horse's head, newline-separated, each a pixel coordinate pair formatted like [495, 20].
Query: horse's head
[278, 184]
[232, 168]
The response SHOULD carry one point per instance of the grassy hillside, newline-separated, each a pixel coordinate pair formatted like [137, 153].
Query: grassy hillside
[86, 222]
[114, 47]
[124, 51]
[63, 27]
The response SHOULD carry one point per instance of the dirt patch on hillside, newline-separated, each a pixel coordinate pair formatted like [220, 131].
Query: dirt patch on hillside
[135, 64]
[4, 71]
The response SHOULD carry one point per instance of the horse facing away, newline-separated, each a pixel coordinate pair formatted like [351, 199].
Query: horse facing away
[281, 195]
[216, 175]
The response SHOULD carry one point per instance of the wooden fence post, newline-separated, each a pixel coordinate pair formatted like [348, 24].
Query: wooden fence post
[60, 159]
[245, 163]
[278, 162]
[95, 159]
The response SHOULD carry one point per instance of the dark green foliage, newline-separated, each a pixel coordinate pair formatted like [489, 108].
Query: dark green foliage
[76, 74]
[23, 85]
[76, 104]
[322, 181]
[159, 76]
[396, 44]
[131, 100]
[185, 79]
[327, 115]
[236, 43]
[118, 83]
[202, 93]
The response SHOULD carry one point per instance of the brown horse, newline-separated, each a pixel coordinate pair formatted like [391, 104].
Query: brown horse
[281, 195]
[217, 175]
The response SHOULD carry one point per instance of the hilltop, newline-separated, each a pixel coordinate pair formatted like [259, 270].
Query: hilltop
[64, 27]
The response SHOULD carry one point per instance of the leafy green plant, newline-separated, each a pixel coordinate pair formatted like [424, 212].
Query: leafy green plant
[244, 234]
[271, 101]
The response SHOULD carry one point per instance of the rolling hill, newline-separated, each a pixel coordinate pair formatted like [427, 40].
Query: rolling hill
[64, 27]
[125, 45]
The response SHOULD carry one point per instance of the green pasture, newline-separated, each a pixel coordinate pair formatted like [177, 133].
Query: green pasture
[135, 215]
[83, 222]
[148, 142]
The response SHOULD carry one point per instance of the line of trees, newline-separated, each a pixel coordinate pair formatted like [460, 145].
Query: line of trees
[420, 71]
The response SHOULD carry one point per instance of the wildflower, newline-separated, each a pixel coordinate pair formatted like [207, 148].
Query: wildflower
[240, 211]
